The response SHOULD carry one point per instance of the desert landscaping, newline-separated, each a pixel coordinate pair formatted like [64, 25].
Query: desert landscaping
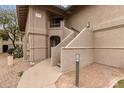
[10, 75]
[93, 76]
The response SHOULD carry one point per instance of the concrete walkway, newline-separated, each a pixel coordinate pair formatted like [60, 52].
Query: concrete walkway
[39, 76]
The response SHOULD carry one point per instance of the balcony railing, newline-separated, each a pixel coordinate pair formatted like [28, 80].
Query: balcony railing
[56, 25]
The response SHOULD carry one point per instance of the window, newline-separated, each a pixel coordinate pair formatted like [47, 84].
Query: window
[55, 22]
[5, 37]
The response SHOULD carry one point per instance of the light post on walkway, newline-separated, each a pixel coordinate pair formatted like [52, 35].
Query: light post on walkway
[77, 61]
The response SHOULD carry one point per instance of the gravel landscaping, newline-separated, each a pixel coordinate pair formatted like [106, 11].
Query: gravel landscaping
[92, 76]
[10, 75]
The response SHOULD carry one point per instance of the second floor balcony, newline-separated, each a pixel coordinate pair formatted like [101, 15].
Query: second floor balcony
[55, 23]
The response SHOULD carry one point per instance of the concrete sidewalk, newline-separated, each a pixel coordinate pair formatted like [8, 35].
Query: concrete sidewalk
[39, 76]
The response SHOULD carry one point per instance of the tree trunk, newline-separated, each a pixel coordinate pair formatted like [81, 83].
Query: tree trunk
[13, 42]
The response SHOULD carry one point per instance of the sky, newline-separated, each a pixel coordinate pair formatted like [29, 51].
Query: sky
[8, 6]
[14, 7]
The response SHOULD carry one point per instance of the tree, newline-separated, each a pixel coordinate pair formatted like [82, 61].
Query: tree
[9, 24]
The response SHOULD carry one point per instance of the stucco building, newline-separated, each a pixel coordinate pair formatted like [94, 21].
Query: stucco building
[94, 32]
[6, 43]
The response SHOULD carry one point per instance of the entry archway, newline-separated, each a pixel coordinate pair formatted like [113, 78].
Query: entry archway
[54, 41]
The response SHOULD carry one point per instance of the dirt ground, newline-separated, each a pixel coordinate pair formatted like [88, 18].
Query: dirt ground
[92, 76]
[9, 75]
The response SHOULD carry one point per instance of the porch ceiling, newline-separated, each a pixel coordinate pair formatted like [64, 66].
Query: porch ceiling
[22, 12]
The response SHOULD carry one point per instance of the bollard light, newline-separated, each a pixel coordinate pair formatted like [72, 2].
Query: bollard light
[77, 57]
[77, 61]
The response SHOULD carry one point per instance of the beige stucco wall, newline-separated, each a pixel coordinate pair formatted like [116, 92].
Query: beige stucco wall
[83, 39]
[96, 15]
[56, 32]
[39, 33]
[68, 58]
[7, 42]
[36, 28]
[56, 51]
[111, 57]
[108, 35]
[106, 41]
[79, 45]
[112, 38]
[111, 47]
[0, 45]
[26, 49]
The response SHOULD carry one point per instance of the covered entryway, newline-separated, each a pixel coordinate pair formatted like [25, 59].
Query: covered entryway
[54, 41]
[5, 48]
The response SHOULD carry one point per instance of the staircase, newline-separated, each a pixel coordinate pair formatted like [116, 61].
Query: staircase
[56, 51]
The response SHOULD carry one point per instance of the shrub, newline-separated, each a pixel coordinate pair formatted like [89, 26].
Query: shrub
[16, 52]
[10, 51]
[119, 84]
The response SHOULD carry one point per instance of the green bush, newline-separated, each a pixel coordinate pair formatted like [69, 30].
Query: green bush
[16, 52]
[119, 84]
[10, 51]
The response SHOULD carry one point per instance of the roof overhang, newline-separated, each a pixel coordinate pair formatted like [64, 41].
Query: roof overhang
[65, 8]
[22, 12]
